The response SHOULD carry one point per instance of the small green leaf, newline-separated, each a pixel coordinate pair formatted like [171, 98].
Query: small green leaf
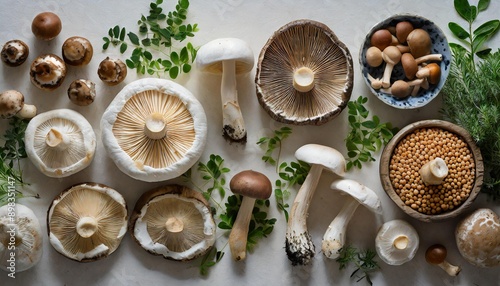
[122, 34]
[184, 55]
[487, 29]
[483, 5]
[105, 45]
[184, 4]
[173, 72]
[133, 38]
[110, 32]
[148, 55]
[458, 31]
[464, 9]
[174, 57]
[116, 31]
[123, 48]
[484, 53]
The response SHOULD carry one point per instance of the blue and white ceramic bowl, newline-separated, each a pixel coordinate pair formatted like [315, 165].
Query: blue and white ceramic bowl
[439, 46]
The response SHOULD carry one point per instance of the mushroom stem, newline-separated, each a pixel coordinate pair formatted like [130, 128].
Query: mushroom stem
[429, 57]
[334, 238]
[232, 119]
[86, 226]
[299, 245]
[375, 83]
[434, 172]
[155, 126]
[303, 79]
[57, 140]
[174, 225]
[28, 111]
[239, 232]
[401, 242]
[451, 269]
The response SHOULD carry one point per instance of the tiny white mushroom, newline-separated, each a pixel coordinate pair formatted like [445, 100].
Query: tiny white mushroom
[334, 238]
[60, 142]
[299, 246]
[396, 242]
[21, 233]
[229, 57]
[434, 172]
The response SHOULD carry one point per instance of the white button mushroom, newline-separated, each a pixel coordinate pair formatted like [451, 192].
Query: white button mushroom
[154, 129]
[334, 238]
[60, 142]
[87, 222]
[229, 57]
[251, 185]
[478, 238]
[12, 104]
[299, 246]
[396, 242]
[20, 233]
[173, 221]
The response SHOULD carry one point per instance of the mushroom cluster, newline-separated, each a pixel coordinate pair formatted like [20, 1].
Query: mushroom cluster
[409, 48]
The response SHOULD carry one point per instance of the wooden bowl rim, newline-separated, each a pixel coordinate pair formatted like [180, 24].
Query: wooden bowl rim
[387, 155]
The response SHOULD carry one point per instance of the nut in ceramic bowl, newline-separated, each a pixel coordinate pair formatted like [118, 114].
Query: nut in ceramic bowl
[405, 61]
[432, 170]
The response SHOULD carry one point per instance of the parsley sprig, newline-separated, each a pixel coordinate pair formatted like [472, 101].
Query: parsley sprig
[158, 31]
[364, 262]
[365, 136]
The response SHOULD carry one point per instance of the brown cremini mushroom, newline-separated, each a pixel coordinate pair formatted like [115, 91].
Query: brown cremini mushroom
[419, 42]
[46, 26]
[436, 255]
[391, 56]
[374, 56]
[431, 71]
[410, 65]
[251, 185]
[401, 88]
[403, 29]
[14, 53]
[381, 39]
[47, 72]
[12, 104]
[112, 71]
[81, 92]
[77, 51]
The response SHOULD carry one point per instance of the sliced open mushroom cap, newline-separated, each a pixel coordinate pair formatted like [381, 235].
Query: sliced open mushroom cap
[60, 142]
[21, 232]
[154, 129]
[304, 74]
[87, 222]
[173, 221]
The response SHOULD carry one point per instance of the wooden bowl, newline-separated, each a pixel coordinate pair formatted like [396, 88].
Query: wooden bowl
[385, 169]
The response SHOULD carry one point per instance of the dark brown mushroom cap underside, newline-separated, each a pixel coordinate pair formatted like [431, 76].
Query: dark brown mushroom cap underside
[304, 44]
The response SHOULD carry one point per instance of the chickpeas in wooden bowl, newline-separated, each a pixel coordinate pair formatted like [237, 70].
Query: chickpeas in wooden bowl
[432, 170]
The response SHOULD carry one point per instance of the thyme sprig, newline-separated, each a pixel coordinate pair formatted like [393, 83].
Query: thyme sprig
[364, 262]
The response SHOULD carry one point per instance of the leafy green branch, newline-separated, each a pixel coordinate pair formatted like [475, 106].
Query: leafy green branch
[365, 136]
[157, 31]
[364, 262]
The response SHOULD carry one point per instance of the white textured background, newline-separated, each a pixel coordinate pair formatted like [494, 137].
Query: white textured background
[253, 21]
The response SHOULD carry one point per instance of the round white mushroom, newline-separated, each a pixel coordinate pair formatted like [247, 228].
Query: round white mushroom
[396, 242]
[60, 142]
[154, 129]
[87, 222]
[173, 221]
[229, 57]
[20, 233]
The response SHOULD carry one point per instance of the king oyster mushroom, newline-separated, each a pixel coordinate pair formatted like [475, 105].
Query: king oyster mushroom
[14, 53]
[304, 74]
[21, 234]
[173, 221]
[47, 72]
[60, 142]
[87, 222]
[154, 129]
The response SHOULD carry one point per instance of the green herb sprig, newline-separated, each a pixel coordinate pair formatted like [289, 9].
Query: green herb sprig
[290, 174]
[158, 31]
[364, 262]
[210, 259]
[365, 136]
[474, 85]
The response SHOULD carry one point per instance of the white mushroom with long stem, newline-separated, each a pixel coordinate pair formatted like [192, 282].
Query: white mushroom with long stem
[60, 142]
[251, 185]
[396, 242]
[229, 57]
[391, 56]
[20, 234]
[299, 245]
[335, 236]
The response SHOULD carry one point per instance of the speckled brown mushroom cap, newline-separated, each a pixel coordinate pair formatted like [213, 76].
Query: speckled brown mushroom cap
[77, 51]
[173, 221]
[251, 184]
[112, 71]
[299, 45]
[14, 53]
[47, 72]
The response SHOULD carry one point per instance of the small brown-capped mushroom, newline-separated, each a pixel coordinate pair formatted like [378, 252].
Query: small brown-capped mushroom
[403, 29]
[419, 42]
[112, 71]
[431, 71]
[391, 56]
[410, 66]
[12, 104]
[382, 39]
[374, 56]
[81, 92]
[401, 88]
[77, 51]
[14, 53]
[46, 26]
[251, 185]
[47, 72]
[436, 255]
